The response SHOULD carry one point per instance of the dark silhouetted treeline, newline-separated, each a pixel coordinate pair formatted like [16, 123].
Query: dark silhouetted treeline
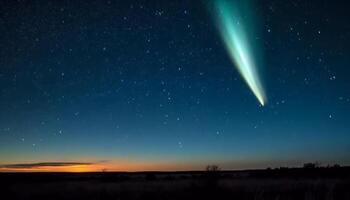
[309, 182]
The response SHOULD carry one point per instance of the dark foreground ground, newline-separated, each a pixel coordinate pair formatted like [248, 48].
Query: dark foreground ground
[298, 184]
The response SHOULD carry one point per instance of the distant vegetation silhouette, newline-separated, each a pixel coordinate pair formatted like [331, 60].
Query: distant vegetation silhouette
[212, 168]
[311, 181]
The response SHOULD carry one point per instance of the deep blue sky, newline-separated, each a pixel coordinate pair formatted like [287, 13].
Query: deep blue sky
[151, 82]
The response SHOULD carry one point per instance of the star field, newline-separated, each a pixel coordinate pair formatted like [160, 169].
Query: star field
[151, 82]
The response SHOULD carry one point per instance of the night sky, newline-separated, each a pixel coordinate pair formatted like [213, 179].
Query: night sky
[149, 85]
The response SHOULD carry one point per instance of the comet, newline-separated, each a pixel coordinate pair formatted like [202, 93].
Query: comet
[232, 28]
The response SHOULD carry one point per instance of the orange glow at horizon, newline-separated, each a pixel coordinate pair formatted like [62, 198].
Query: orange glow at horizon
[72, 168]
[125, 166]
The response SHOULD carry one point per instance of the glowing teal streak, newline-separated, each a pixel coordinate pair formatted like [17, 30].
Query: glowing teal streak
[236, 42]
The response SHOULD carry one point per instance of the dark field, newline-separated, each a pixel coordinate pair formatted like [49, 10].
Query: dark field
[298, 184]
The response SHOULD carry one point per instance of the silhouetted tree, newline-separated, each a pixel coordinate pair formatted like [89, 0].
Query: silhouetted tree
[336, 166]
[212, 176]
[212, 168]
[311, 165]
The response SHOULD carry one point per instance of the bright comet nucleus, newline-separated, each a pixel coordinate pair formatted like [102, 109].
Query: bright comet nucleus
[232, 30]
